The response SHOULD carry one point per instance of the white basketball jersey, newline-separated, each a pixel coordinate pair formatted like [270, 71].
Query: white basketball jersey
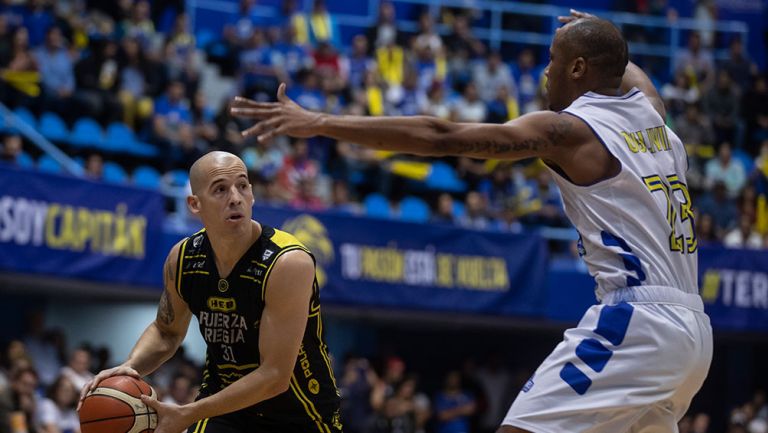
[636, 228]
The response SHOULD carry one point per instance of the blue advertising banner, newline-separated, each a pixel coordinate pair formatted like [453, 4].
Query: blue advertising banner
[70, 227]
[416, 266]
[734, 286]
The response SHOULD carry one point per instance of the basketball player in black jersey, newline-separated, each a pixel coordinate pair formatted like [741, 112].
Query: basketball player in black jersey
[254, 292]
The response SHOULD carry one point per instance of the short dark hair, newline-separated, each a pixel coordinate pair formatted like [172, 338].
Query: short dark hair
[601, 44]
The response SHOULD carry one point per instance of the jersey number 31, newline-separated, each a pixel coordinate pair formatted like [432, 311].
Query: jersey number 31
[682, 243]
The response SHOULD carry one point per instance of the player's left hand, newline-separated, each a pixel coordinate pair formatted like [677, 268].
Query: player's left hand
[283, 117]
[171, 418]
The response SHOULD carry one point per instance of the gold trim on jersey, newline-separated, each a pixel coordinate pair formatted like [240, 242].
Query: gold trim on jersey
[237, 367]
[284, 239]
[196, 256]
[196, 272]
[324, 349]
[271, 265]
[181, 267]
[314, 415]
[248, 277]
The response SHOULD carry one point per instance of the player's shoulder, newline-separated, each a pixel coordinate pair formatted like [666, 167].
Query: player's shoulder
[282, 239]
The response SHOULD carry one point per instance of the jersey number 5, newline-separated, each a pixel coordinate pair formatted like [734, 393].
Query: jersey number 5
[682, 243]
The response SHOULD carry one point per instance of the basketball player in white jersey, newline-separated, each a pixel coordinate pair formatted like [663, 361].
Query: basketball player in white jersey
[635, 361]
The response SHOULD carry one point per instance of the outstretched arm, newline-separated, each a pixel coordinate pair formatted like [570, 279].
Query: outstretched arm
[541, 134]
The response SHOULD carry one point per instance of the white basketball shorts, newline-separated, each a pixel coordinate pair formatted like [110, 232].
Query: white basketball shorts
[631, 365]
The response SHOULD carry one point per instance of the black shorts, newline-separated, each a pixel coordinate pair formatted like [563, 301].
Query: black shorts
[245, 422]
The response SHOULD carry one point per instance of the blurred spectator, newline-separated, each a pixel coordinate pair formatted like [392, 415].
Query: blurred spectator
[738, 66]
[491, 75]
[705, 15]
[56, 412]
[385, 387]
[495, 381]
[391, 62]
[476, 216]
[263, 160]
[78, 370]
[385, 32]
[497, 187]
[297, 168]
[427, 39]
[97, 77]
[37, 20]
[20, 72]
[307, 93]
[358, 63]
[462, 39]
[679, 94]
[355, 387]
[503, 107]
[307, 197]
[259, 76]
[322, 26]
[720, 206]
[57, 73]
[340, 199]
[405, 411]
[12, 148]
[755, 112]
[172, 114]
[706, 231]
[696, 62]
[180, 391]
[444, 209]
[44, 346]
[722, 104]
[327, 60]
[469, 108]
[453, 406]
[406, 100]
[727, 169]
[139, 25]
[24, 409]
[693, 128]
[743, 236]
[436, 104]
[527, 75]
[94, 166]
[700, 423]
[289, 55]
[141, 79]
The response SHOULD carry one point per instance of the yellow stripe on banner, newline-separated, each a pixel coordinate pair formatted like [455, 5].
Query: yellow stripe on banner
[178, 271]
[269, 269]
[197, 427]
[237, 367]
[296, 391]
[205, 423]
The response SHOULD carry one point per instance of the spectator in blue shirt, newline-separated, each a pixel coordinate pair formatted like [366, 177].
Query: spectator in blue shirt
[37, 21]
[454, 406]
[172, 115]
[57, 72]
[527, 76]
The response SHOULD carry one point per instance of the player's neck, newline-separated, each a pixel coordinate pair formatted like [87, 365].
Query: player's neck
[228, 248]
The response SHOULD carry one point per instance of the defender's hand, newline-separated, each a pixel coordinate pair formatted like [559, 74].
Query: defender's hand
[283, 117]
[574, 16]
[120, 370]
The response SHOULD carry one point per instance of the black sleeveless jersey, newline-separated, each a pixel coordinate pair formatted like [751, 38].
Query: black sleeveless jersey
[229, 311]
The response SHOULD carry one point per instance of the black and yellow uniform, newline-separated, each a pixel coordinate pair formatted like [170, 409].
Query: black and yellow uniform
[229, 311]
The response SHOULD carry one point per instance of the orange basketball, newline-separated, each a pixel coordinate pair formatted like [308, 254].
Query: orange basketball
[115, 406]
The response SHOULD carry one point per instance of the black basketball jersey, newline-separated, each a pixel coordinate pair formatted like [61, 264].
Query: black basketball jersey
[229, 311]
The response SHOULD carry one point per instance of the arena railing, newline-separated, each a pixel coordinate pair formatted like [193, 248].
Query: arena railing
[494, 33]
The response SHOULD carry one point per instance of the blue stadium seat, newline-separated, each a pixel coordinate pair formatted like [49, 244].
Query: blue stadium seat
[204, 37]
[53, 127]
[119, 138]
[377, 206]
[47, 164]
[177, 178]
[25, 161]
[25, 116]
[459, 210]
[114, 173]
[443, 177]
[414, 209]
[87, 133]
[146, 176]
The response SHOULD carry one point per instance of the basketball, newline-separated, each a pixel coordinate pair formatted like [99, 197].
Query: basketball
[115, 406]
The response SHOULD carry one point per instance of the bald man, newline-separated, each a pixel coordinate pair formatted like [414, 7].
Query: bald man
[635, 361]
[255, 295]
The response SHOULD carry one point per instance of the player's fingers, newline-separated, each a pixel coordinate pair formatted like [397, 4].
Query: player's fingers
[264, 125]
[254, 113]
[239, 101]
[150, 401]
[281, 93]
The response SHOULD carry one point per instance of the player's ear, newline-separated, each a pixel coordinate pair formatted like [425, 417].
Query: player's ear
[578, 67]
[193, 204]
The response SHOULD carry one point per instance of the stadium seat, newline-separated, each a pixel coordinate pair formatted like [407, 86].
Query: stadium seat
[414, 209]
[114, 173]
[25, 116]
[47, 164]
[204, 37]
[177, 178]
[53, 127]
[443, 177]
[146, 176]
[87, 133]
[377, 206]
[459, 210]
[24, 160]
[119, 138]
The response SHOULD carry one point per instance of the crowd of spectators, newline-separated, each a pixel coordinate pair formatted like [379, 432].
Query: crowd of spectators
[139, 63]
[40, 381]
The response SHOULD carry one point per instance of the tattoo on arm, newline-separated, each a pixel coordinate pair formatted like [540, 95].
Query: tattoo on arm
[554, 135]
[165, 311]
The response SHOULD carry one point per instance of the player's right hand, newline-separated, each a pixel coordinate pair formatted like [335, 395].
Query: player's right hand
[574, 16]
[120, 370]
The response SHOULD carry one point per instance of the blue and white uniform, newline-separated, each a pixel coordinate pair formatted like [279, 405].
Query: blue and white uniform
[635, 361]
